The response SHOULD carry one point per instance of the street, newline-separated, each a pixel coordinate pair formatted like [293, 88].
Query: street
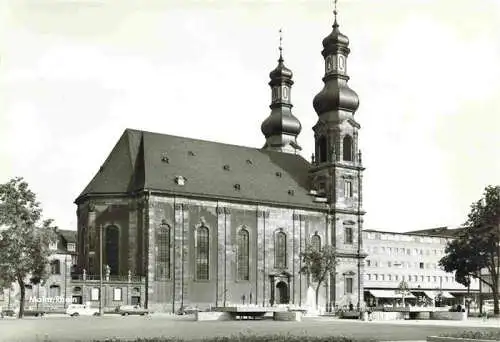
[89, 328]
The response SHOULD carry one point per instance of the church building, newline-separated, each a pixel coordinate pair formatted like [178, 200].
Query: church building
[209, 224]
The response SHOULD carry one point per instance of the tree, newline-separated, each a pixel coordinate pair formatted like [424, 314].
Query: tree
[318, 263]
[403, 290]
[24, 237]
[477, 246]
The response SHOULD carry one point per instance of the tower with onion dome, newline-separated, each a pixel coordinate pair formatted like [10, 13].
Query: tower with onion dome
[336, 171]
[281, 128]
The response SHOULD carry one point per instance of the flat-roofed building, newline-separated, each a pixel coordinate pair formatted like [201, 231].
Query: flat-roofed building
[412, 257]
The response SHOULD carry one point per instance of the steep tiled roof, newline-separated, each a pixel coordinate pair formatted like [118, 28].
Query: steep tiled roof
[68, 235]
[152, 161]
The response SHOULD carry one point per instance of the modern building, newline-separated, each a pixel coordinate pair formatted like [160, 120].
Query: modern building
[412, 257]
[195, 222]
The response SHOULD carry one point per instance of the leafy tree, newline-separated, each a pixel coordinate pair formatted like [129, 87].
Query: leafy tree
[318, 263]
[477, 246]
[404, 290]
[24, 237]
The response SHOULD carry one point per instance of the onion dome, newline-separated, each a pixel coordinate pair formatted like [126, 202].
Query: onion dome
[335, 39]
[282, 122]
[336, 96]
[280, 73]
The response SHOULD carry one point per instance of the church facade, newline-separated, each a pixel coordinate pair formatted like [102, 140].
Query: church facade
[209, 224]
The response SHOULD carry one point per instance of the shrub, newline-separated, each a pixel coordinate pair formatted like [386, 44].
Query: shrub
[476, 335]
[249, 338]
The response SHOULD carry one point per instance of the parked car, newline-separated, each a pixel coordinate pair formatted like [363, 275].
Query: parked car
[81, 310]
[187, 310]
[7, 313]
[126, 310]
[36, 313]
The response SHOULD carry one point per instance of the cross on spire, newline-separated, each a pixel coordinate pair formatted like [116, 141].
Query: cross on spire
[335, 11]
[281, 47]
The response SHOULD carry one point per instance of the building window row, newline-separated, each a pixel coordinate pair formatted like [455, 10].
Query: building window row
[202, 252]
[347, 149]
[407, 238]
[402, 264]
[405, 251]
[95, 293]
[396, 277]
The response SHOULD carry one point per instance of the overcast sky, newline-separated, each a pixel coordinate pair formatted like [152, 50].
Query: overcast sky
[75, 74]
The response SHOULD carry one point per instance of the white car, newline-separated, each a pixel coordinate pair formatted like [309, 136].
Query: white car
[81, 310]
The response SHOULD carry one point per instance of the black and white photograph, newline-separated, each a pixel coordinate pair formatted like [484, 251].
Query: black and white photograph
[249, 170]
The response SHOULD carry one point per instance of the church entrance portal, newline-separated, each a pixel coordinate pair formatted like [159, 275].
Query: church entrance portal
[282, 296]
[280, 288]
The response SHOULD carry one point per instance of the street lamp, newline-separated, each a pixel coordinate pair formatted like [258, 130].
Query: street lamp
[100, 272]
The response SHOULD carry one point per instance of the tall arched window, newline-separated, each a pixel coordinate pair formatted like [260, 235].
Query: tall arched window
[163, 252]
[280, 250]
[322, 151]
[347, 148]
[113, 249]
[202, 253]
[316, 242]
[243, 257]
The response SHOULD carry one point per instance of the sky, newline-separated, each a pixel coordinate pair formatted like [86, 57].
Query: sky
[75, 74]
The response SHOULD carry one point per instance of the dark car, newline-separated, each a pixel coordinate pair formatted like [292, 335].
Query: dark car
[7, 313]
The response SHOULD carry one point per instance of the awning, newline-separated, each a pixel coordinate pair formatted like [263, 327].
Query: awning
[433, 294]
[389, 294]
[446, 294]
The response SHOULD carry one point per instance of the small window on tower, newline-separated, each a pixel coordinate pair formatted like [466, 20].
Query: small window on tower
[285, 93]
[322, 150]
[347, 148]
[348, 238]
[347, 189]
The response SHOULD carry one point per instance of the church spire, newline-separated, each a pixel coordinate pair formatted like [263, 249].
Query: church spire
[281, 128]
[336, 129]
[281, 46]
[336, 95]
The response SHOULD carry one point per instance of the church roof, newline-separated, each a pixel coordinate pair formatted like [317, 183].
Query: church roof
[150, 161]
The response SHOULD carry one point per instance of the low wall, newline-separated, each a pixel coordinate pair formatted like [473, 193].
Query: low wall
[386, 316]
[451, 316]
[420, 315]
[295, 316]
[350, 314]
[212, 316]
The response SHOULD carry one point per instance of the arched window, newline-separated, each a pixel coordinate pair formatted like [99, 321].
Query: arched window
[316, 242]
[243, 255]
[112, 249]
[202, 251]
[322, 152]
[163, 252]
[280, 250]
[55, 267]
[347, 148]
